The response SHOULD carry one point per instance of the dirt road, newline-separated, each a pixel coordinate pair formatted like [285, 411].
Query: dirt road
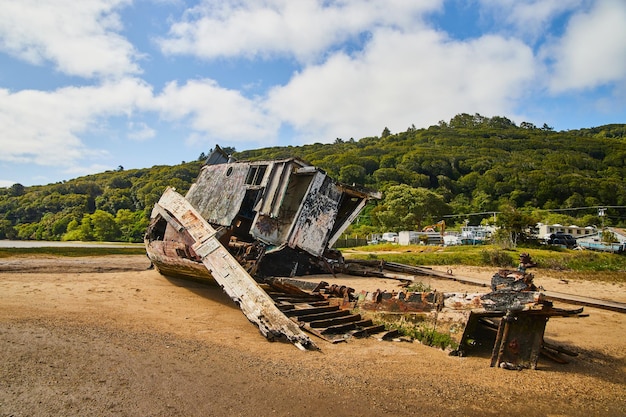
[107, 337]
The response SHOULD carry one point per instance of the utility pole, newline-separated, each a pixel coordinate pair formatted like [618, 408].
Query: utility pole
[601, 214]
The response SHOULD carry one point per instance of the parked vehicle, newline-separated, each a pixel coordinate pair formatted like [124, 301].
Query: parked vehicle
[564, 239]
[390, 237]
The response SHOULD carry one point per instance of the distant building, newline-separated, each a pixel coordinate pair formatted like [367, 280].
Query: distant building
[415, 238]
[473, 235]
[545, 230]
[595, 241]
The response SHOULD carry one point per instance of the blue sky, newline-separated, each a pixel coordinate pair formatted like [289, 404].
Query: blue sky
[87, 86]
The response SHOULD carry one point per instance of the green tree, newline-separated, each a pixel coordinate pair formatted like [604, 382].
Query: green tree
[27, 231]
[104, 226]
[86, 229]
[515, 223]
[407, 208]
[16, 190]
[132, 225]
[609, 237]
[74, 232]
[352, 174]
[6, 230]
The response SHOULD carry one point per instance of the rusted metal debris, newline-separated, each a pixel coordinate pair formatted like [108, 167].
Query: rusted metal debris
[324, 310]
[509, 321]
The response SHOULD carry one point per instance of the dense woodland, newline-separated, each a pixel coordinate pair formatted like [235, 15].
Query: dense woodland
[463, 170]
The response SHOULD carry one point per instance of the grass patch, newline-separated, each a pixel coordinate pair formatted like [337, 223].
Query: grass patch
[496, 257]
[72, 251]
[424, 333]
[417, 327]
[431, 337]
[490, 255]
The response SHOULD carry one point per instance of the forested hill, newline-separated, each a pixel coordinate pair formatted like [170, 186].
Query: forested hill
[475, 163]
[478, 163]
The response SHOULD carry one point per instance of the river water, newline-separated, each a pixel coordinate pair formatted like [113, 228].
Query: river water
[46, 244]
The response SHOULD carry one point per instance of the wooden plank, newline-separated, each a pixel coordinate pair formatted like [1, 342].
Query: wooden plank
[585, 301]
[257, 306]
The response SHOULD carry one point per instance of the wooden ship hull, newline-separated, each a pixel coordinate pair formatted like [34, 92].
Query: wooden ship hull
[277, 218]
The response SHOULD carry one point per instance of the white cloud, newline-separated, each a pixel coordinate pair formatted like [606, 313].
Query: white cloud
[216, 112]
[140, 131]
[303, 29]
[530, 18]
[79, 37]
[592, 51]
[45, 128]
[53, 128]
[401, 79]
[365, 64]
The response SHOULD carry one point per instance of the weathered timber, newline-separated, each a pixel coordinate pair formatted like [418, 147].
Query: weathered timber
[585, 301]
[559, 349]
[255, 303]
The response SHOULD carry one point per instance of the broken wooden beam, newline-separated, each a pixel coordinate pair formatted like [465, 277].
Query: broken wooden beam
[255, 303]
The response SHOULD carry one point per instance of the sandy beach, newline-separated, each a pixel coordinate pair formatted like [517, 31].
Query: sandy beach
[105, 336]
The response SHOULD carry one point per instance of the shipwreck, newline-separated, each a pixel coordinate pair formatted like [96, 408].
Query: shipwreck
[253, 226]
[244, 220]
[277, 218]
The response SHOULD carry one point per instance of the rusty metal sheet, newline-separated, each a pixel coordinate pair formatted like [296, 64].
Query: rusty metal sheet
[512, 300]
[255, 303]
[519, 341]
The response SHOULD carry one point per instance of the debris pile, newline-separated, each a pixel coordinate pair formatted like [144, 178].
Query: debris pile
[510, 320]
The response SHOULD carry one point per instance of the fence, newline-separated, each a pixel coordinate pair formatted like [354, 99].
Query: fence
[350, 242]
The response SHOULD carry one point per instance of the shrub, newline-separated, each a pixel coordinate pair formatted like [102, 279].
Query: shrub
[496, 258]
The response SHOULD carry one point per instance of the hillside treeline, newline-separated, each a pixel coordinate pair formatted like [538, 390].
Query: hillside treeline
[111, 206]
[472, 164]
